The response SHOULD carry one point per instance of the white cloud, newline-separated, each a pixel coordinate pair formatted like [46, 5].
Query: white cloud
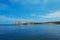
[53, 15]
[13, 19]
[41, 3]
[36, 15]
[33, 1]
[55, 0]
[33, 15]
[26, 1]
[44, 3]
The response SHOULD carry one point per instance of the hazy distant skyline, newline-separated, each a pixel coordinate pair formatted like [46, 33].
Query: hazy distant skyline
[29, 10]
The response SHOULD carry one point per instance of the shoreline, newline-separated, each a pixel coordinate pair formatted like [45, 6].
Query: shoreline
[29, 23]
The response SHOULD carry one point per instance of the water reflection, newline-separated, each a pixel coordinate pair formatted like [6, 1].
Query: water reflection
[30, 32]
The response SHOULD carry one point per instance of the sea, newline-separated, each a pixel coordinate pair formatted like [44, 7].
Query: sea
[30, 32]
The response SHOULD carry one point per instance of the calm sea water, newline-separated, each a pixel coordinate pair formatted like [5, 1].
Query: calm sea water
[30, 32]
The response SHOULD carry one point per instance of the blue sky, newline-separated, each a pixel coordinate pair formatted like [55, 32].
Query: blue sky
[29, 10]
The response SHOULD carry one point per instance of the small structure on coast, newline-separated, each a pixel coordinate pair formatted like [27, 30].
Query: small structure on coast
[23, 23]
[29, 23]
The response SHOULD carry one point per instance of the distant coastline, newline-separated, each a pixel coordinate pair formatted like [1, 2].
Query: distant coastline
[29, 23]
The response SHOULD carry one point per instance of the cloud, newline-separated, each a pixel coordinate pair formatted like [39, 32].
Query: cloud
[53, 15]
[36, 15]
[26, 1]
[44, 3]
[33, 15]
[54, 1]
[2, 17]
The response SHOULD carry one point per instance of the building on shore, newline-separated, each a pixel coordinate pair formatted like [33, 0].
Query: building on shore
[29, 23]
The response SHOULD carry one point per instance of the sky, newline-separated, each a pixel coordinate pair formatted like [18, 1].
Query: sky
[29, 10]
